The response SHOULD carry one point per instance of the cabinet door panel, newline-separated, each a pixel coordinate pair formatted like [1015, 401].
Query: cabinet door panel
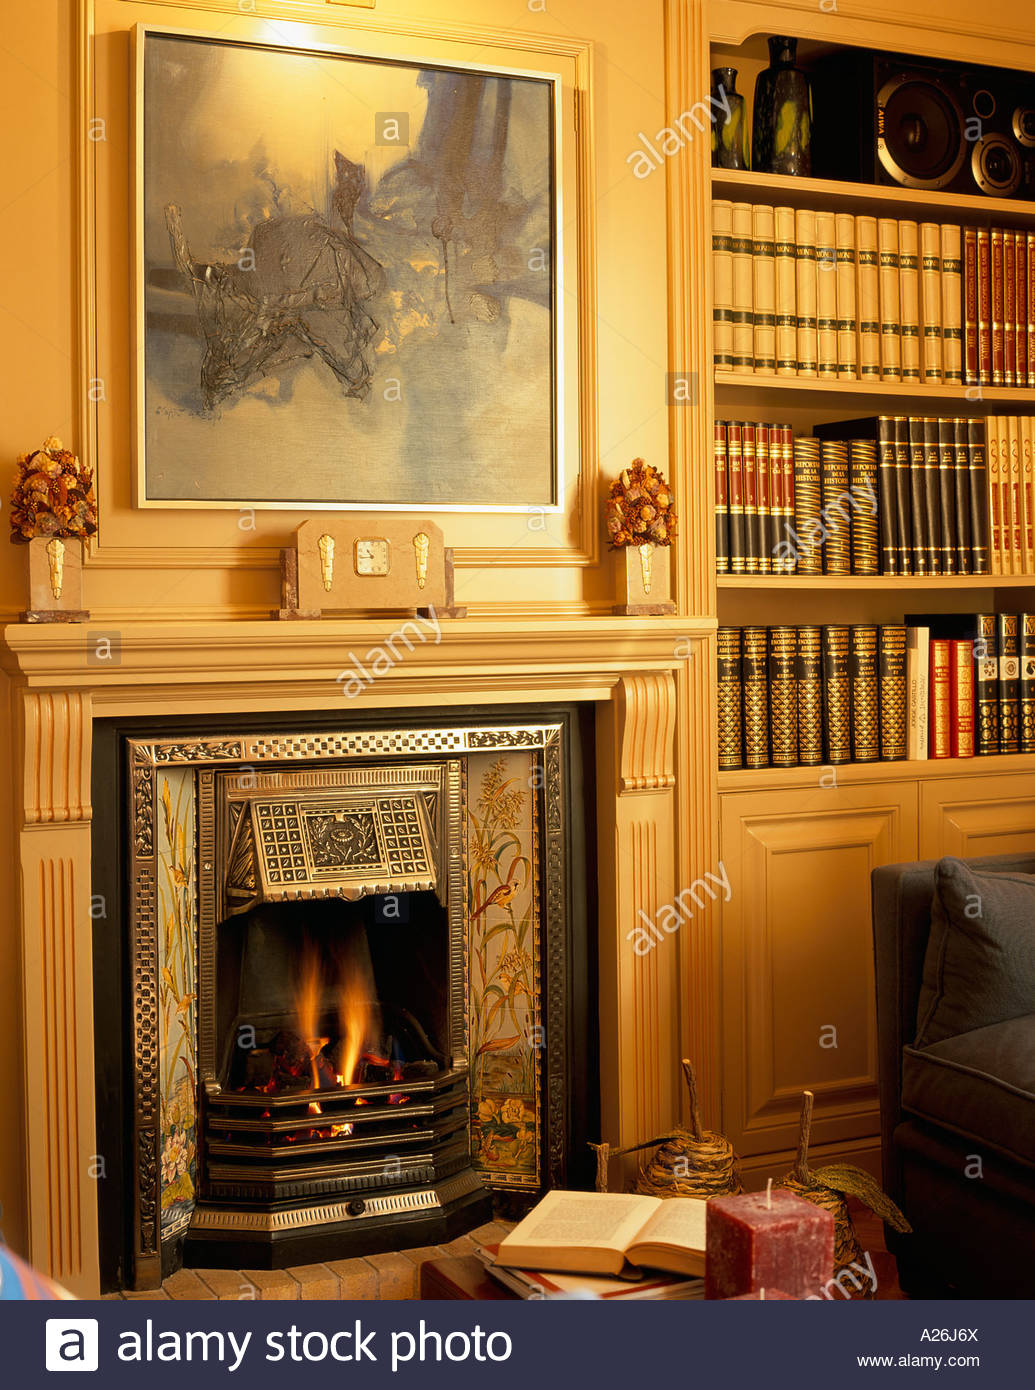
[968, 817]
[798, 957]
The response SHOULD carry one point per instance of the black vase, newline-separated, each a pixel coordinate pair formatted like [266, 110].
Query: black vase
[729, 122]
[782, 129]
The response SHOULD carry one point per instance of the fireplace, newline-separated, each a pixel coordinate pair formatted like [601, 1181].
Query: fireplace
[359, 975]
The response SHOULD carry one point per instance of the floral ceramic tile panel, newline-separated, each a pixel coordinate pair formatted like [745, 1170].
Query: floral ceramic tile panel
[503, 940]
[177, 1003]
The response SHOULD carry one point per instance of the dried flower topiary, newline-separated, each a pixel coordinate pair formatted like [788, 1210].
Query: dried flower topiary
[53, 495]
[639, 508]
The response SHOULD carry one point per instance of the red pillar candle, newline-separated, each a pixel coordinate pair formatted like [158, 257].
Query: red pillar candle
[770, 1240]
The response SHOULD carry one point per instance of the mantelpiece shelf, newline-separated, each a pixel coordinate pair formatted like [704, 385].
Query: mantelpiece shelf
[777, 778]
[741, 185]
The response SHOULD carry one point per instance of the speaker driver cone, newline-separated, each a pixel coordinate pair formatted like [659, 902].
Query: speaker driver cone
[1024, 126]
[996, 166]
[919, 131]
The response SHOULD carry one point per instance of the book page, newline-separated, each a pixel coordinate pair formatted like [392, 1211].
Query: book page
[596, 1219]
[677, 1221]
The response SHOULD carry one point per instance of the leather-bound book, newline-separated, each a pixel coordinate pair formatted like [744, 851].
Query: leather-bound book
[766, 529]
[890, 300]
[863, 487]
[947, 495]
[837, 546]
[1020, 292]
[931, 302]
[810, 696]
[1011, 425]
[961, 488]
[754, 667]
[918, 676]
[786, 293]
[722, 500]
[952, 304]
[735, 475]
[891, 666]
[1027, 682]
[722, 283]
[786, 442]
[867, 530]
[868, 297]
[742, 243]
[939, 722]
[904, 495]
[978, 475]
[1009, 308]
[918, 497]
[1026, 428]
[970, 307]
[961, 698]
[889, 538]
[984, 272]
[1030, 260]
[986, 683]
[909, 298]
[1008, 639]
[752, 517]
[783, 696]
[763, 267]
[932, 500]
[731, 724]
[807, 292]
[998, 310]
[837, 694]
[863, 669]
[847, 315]
[997, 520]
[807, 506]
[826, 295]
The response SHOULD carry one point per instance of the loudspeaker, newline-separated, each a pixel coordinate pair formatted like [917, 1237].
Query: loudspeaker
[878, 118]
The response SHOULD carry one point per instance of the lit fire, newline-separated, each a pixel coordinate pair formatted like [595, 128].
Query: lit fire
[308, 1008]
[335, 1130]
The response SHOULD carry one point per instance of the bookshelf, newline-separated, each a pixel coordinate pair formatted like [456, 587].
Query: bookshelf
[799, 843]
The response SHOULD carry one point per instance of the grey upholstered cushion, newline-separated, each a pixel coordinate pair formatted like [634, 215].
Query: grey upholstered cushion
[980, 1085]
[980, 963]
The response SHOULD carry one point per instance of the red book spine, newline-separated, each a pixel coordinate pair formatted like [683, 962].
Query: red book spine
[940, 716]
[1022, 308]
[961, 712]
[984, 279]
[998, 310]
[787, 460]
[970, 306]
[1031, 308]
[1009, 309]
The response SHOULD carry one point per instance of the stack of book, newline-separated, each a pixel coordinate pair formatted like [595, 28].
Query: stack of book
[754, 497]
[936, 686]
[1010, 448]
[829, 295]
[999, 306]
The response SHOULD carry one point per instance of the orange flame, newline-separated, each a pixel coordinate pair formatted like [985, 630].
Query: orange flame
[307, 1006]
[358, 1014]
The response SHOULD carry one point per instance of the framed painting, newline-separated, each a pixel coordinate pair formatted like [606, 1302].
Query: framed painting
[347, 279]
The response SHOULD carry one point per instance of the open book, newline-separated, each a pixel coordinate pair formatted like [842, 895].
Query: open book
[597, 1232]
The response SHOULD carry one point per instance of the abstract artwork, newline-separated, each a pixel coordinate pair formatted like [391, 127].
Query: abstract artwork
[347, 290]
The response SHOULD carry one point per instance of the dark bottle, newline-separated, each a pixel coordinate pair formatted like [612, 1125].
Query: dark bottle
[782, 128]
[729, 122]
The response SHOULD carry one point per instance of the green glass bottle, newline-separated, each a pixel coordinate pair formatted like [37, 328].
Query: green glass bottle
[782, 128]
[729, 122]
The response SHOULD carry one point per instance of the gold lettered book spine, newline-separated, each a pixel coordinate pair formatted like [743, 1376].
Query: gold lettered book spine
[735, 479]
[826, 295]
[752, 517]
[995, 495]
[785, 258]
[1027, 431]
[837, 509]
[998, 309]
[808, 503]
[892, 674]
[986, 684]
[931, 303]
[787, 549]
[754, 665]
[1009, 643]
[764, 280]
[862, 475]
[847, 316]
[1027, 626]
[909, 295]
[807, 292]
[722, 499]
[810, 696]
[783, 696]
[743, 289]
[731, 724]
[868, 297]
[952, 304]
[722, 283]
[837, 695]
[890, 300]
[865, 694]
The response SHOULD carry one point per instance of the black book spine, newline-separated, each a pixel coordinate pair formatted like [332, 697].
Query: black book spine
[932, 501]
[1008, 635]
[783, 696]
[889, 543]
[865, 694]
[731, 725]
[978, 475]
[754, 666]
[837, 695]
[917, 496]
[961, 481]
[1027, 682]
[810, 696]
[986, 684]
[947, 495]
[892, 672]
[903, 496]
[735, 476]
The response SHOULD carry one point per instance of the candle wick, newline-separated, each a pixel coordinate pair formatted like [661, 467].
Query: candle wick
[769, 1194]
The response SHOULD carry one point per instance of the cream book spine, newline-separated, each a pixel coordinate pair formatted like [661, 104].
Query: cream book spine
[1027, 435]
[918, 657]
[826, 295]
[743, 289]
[847, 318]
[931, 303]
[952, 304]
[807, 292]
[995, 496]
[909, 297]
[890, 303]
[786, 293]
[868, 297]
[763, 266]
[722, 284]
[1010, 436]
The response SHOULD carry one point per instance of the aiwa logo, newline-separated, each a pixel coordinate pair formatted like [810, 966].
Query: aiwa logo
[71, 1344]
